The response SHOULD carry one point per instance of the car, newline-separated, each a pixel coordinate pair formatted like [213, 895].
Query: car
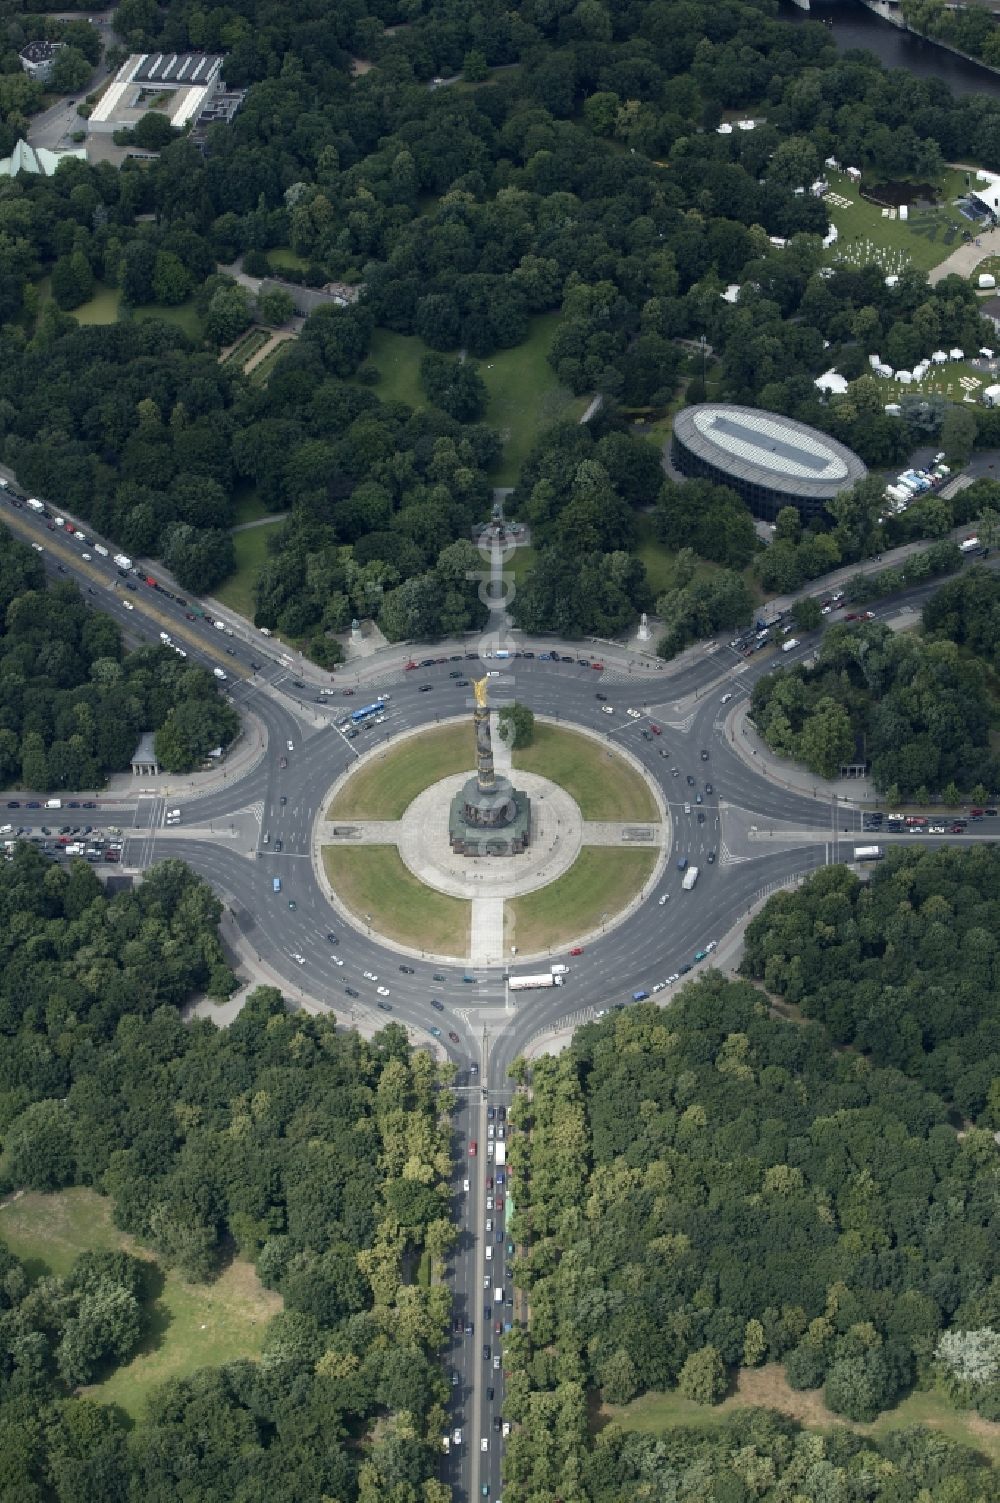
[674, 976]
[956, 829]
[473, 1148]
[383, 991]
[426, 688]
[282, 762]
[336, 960]
[87, 556]
[607, 709]
[600, 696]
[868, 615]
[348, 692]
[711, 858]
[646, 736]
[725, 699]
[14, 804]
[675, 772]
[701, 816]
[299, 959]
[496, 1363]
[34, 804]
[370, 976]
[384, 1006]
[634, 714]
[655, 729]
[713, 944]
[577, 950]
[700, 954]
[698, 799]
[704, 754]
[683, 970]
[437, 1006]
[128, 605]
[484, 1444]
[664, 899]
[283, 800]
[709, 788]
[290, 745]
[499, 1202]
[453, 1036]
[407, 970]
[38, 547]
[690, 781]
[292, 904]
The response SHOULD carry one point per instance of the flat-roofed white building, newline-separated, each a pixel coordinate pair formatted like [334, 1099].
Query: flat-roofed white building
[178, 84]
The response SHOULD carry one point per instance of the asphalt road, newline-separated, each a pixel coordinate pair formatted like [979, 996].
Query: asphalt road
[763, 836]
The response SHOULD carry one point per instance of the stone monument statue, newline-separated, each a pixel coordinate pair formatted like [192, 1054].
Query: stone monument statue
[488, 817]
[644, 632]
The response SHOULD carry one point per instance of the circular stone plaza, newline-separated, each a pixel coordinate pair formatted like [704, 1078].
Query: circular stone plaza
[770, 461]
[533, 852]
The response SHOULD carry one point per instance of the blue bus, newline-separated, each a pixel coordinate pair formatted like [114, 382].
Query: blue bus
[368, 711]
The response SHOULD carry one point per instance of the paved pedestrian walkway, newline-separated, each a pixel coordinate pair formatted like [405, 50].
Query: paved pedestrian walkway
[755, 752]
[963, 261]
[486, 930]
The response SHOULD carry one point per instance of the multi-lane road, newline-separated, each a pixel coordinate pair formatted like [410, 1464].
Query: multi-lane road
[249, 826]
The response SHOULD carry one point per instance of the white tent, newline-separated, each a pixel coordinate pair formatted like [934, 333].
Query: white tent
[991, 396]
[939, 357]
[904, 377]
[854, 173]
[885, 370]
[725, 129]
[986, 280]
[986, 353]
[904, 211]
[731, 294]
[956, 354]
[832, 382]
[832, 162]
[874, 361]
[746, 124]
[892, 281]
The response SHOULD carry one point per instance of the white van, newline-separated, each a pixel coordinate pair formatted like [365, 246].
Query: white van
[173, 815]
[219, 673]
[53, 803]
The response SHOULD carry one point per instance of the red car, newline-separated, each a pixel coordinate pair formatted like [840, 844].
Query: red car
[473, 1148]
[956, 829]
[489, 1182]
[348, 691]
[410, 666]
[655, 729]
[577, 950]
[852, 617]
[597, 667]
[70, 527]
[499, 1202]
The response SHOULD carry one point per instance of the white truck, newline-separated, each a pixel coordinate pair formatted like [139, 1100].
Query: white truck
[529, 983]
[498, 1296]
[559, 970]
[100, 548]
[123, 561]
[690, 878]
[868, 853]
[220, 674]
[792, 642]
[34, 505]
[967, 545]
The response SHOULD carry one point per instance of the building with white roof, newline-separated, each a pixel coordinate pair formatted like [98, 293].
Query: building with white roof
[178, 84]
[770, 461]
[37, 159]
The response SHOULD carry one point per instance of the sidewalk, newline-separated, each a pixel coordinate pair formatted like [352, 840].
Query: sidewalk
[752, 749]
[245, 754]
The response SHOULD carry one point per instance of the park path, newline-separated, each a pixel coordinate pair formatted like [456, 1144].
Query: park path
[280, 336]
[275, 516]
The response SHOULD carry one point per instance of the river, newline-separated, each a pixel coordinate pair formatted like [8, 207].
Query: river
[855, 26]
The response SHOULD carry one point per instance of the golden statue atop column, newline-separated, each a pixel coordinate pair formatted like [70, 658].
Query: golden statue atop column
[489, 817]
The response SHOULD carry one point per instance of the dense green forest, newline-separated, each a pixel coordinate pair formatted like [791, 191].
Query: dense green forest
[73, 701]
[921, 708]
[576, 170]
[714, 1186]
[321, 1157]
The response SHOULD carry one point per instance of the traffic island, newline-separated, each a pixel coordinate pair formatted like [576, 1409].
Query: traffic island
[395, 871]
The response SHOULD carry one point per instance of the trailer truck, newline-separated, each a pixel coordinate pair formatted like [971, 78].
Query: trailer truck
[123, 561]
[690, 878]
[528, 983]
[868, 853]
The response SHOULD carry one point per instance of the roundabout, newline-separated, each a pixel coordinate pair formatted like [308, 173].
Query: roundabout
[540, 873]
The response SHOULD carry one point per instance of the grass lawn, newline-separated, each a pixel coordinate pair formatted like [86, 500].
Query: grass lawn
[102, 308]
[184, 315]
[249, 505]
[922, 240]
[389, 783]
[655, 555]
[371, 879]
[253, 340]
[766, 1386]
[190, 1325]
[520, 563]
[946, 379]
[524, 395]
[284, 256]
[601, 880]
[251, 550]
[604, 785]
[262, 370]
